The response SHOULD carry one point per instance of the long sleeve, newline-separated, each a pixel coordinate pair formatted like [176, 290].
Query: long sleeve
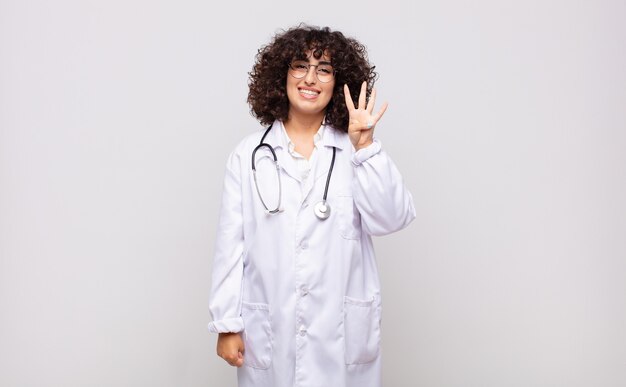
[225, 300]
[379, 193]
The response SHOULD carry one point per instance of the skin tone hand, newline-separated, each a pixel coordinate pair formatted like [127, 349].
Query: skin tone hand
[230, 348]
[362, 121]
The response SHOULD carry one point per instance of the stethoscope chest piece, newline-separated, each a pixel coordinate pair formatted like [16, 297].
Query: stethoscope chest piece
[322, 210]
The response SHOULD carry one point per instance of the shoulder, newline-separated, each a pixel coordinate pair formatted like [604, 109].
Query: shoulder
[249, 142]
[240, 155]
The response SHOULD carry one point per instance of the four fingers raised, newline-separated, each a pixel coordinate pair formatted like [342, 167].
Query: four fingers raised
[363, 105]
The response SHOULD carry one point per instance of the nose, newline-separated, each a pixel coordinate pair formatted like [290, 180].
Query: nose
[311, 77]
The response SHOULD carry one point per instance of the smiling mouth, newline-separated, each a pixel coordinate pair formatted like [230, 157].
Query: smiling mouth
[308, 93]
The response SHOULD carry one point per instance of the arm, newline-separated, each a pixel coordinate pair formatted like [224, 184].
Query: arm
[379, 193]
[225, 300]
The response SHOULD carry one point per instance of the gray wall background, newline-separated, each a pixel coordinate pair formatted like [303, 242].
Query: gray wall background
[507, 119]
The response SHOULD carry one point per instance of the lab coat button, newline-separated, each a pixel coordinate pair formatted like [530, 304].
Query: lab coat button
[304, 245]
[304, 291]
[302, 330]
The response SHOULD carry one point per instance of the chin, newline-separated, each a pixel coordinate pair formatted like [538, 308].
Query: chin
[310, 112]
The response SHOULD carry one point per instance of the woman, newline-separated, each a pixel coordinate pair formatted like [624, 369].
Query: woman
[295, 290]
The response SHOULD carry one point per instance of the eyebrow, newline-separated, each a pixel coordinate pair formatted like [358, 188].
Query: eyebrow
[322, 62]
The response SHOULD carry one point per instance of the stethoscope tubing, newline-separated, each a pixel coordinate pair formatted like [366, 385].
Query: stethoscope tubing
[256, 184]
[326, 208]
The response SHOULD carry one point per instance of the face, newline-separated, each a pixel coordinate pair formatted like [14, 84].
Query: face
[308, 95]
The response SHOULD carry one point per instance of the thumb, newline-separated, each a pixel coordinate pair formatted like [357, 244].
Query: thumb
[242, 347]
[239, 361]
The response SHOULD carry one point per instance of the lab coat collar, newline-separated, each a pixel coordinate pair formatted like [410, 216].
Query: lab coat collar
[278, 140]
[332, 138]
[275, 137]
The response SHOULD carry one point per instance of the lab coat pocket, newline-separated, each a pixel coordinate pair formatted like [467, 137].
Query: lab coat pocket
[349, 217]
[361, 323]
[257, 335]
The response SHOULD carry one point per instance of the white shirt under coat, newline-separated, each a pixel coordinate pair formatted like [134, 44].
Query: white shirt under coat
[305, 292]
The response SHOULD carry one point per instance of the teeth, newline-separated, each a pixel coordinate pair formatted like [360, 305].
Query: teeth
[310, 92]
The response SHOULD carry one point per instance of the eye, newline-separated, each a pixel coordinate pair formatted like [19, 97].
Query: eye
[299, 66]
[325, 69]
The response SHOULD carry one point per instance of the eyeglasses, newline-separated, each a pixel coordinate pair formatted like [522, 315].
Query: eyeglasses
[324, 71]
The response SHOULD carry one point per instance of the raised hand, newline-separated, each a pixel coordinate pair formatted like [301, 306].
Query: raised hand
[362, 122]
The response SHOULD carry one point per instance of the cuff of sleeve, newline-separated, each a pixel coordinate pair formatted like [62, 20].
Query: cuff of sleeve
[365, 153]
[226, 325]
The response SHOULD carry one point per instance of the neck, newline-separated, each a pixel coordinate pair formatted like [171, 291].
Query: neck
[303, 125]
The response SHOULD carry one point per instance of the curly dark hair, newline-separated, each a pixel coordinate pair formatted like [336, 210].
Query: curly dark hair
[267, 80]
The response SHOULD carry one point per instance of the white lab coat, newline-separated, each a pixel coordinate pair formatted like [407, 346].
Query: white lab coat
[305, 292]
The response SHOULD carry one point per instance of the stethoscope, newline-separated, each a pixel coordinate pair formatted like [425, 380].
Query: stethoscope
[321, 209]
